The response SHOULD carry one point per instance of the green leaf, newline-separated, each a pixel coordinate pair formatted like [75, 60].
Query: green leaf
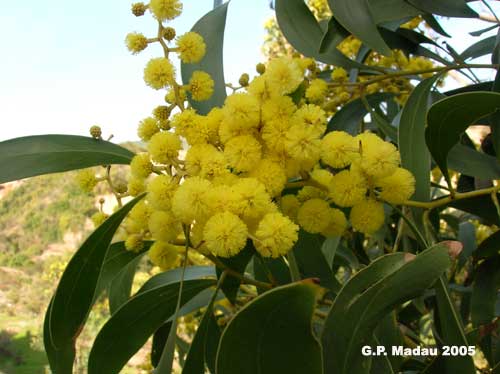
[411, 138]
[478, 49]
[272, 334]
[158, 344]
[276, 266]
[384, 126]
[434, 24]
[489, 247]
[473, 163]
[451, 330]
[311, 261]
[356, 16]
[74, 295]
[303, 32]
[334, 34]
[448, 8]
[484, 292]
[329, 249]
[44, 154]
[482, 31]
[480, 206]
[390, 10]
[368, 297]
[349, 117]
[238, 263]
[449, 118]
[483, 86]
[495, 54]
[495, 118]
[467, 236]
[174, 275]
[130, 327]
[121, 285]
[211, 27]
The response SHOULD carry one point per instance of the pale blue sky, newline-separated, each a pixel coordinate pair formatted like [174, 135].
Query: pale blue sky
[64, 65]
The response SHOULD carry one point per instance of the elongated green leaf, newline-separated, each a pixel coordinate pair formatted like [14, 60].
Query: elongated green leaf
[451, 330]
[480, 206]
[448, 8]
[473, 163]
[466, 236]
[311, 261]
[121, 285]
[362, 303]
[44, 154]
[390, 10]
[334, 34]
[482, 31]
[272, 334]
[484, 292]
[211, 27]
[277, 267]
[74, 296]
[158, 344]
[449, 118]
[329, 249]
[411, 138]
[483, 86]
[238, 263]
[356, 16]
[495, 118]
[434, 24]
[349, 117]
[303, 32]
[478, 49]
[174, 275]
[131, 326]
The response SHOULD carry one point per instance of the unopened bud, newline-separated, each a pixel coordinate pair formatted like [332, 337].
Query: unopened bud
[138, 9]
[95, 132]
[261, 68]
[244, 80]
[169, 33]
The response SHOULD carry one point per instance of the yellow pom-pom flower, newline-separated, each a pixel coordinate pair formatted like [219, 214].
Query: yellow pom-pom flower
[242, 110]
[302, 143]
[322, 177]
[278, 108]
[311, 115]
[98, 218]
[225, 234]
[163, 254]
[190, 200]
[137, 221]
[163, 226]
[212, 121]
[367, 216]
[141, 166]
[339, 75]
[275, 235]
[147, 128]
[283, 75]
[243, 152]
[378, 158]
[397, 187]
[337, 224]
[161, 191]
[86, 180]
[191, 47]
[201, 86]
[135, 186]
[254, 201]
[339, 149]
[164, 146]
[159, 73]
[136, 42]
[165, 9]
[222, 198]
[311, 192]
[134, 243]
[274, 134]
[348, 188]
[317, 90]
[271, 175]
[186, 123]
[314, 215]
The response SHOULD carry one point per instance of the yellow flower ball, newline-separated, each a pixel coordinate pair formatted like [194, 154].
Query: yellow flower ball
[163, 226]
[98, 218]
[278, 108]
[225, 234]
[271, 175]
[317, 90]
[259, 88]
[311, 192]
[275, 235]
[196, 158]
[302, 143]
[164, 146]
[86, 180]
[397, 187]
[137, 221]
[223, 198]
[159, 73]
[191, 47]
[290, 206]
[339, 75]
[243, 152]
[135, 186]
[161, 191]
[322, 177]
[213, 121]
[134, 243]
[164, 255]
[165, 9]
[141, 166]
[274, 134]
[314, 215]
[254, 201]
[201, 86]
[136, 42]
[337, 223]
[311, 115]
[378, 157]
[242, 110]
[348, 188]
[367, 216]
[147, 128]
[283, 75]
[339, 149]
[189, 202]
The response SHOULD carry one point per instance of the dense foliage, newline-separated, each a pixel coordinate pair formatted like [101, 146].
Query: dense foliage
[333, 202]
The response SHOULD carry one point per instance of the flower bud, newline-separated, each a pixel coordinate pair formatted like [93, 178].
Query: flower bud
[95, 132]
[244, 80]
[138, 9]
[261, 68]
[169, 33]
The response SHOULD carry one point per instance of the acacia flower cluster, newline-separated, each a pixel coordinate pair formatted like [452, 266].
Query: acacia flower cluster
[218, 180]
